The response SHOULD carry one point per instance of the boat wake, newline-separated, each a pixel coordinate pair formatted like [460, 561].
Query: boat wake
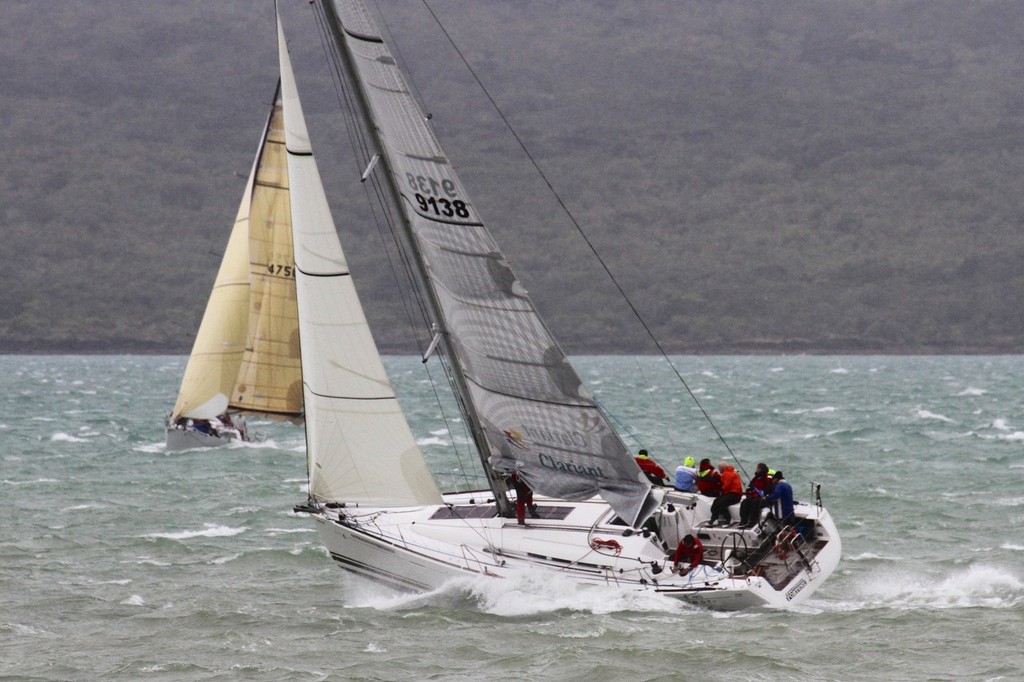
[528, 593]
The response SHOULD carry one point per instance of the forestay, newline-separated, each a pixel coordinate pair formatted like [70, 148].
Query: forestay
[534, 412]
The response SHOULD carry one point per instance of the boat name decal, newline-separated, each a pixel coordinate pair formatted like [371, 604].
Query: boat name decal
[570, 467]
[793, 591]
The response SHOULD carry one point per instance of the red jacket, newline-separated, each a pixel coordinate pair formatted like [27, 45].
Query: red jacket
[709, 482]
[760, 485]
[731, 482]
[692, 553]
[649, 466]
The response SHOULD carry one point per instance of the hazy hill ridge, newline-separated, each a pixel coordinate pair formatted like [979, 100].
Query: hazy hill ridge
[760, 176]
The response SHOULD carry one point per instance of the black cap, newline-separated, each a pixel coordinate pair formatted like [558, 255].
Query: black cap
[778, 474]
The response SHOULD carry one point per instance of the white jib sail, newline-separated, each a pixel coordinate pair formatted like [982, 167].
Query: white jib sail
[359, 445]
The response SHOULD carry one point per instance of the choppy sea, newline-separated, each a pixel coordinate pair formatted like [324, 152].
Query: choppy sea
[120, 561]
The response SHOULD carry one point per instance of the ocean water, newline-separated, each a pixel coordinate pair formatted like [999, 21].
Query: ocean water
[120, 561]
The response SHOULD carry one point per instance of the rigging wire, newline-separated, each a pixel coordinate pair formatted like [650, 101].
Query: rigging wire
[583, 235]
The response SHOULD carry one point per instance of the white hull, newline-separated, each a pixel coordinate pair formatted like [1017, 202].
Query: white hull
[421, 548]
[188, 438]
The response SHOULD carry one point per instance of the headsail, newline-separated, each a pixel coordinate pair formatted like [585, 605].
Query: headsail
[529, 410]
[358, 444]
[212, 369]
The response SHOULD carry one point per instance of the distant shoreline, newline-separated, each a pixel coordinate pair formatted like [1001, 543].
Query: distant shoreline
[739, 348]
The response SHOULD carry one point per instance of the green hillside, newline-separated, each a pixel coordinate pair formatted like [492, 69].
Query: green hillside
[758, 176]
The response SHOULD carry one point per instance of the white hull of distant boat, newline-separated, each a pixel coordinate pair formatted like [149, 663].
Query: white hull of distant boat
[185, 437]
[422, 548]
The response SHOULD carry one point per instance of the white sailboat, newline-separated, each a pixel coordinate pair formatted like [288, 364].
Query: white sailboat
[596, 519]
[245, 359]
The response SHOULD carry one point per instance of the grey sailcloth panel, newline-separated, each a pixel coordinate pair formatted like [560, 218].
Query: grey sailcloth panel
[538, 417]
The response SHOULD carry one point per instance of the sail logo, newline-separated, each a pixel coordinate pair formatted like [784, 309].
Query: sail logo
[565, 466]
[515, 439]
[557, 437]
[590, 422]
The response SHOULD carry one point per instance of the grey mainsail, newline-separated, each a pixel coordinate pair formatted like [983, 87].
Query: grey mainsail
[530, 412]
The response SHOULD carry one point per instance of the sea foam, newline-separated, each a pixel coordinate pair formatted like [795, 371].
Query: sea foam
[211, 531]
[977, 585]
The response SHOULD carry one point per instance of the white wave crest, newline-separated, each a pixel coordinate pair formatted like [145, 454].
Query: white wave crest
[61, 437]
[978, 585]
[871, 556]
[211, 531]
[972, 392]
[37, 480]
[925, 414]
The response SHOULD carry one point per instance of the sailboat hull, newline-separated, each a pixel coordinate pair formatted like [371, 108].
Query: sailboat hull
[186, 439]
[422, 548]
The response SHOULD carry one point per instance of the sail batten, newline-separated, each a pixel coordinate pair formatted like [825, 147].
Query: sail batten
[527, 407]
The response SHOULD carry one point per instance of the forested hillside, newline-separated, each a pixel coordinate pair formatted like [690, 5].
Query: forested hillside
[758, 176]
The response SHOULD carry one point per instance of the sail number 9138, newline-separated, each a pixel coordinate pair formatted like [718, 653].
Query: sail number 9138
[436, 197]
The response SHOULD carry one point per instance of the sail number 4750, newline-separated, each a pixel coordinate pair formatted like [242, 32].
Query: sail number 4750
[437, 197]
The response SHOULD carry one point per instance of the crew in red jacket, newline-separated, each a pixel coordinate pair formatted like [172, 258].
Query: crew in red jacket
[655, 474]
[732, 491]
[709, 481]
[689, 550]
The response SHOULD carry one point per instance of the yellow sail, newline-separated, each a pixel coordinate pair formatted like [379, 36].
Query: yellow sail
[269, 380]
[220, 342]
[246, 354]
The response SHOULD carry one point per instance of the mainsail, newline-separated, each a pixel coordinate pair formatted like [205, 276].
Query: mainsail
[529, 411]
[246, 355]
[359, 446]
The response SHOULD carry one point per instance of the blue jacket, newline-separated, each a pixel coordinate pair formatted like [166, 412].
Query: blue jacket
[686, 479]
[783, 493]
